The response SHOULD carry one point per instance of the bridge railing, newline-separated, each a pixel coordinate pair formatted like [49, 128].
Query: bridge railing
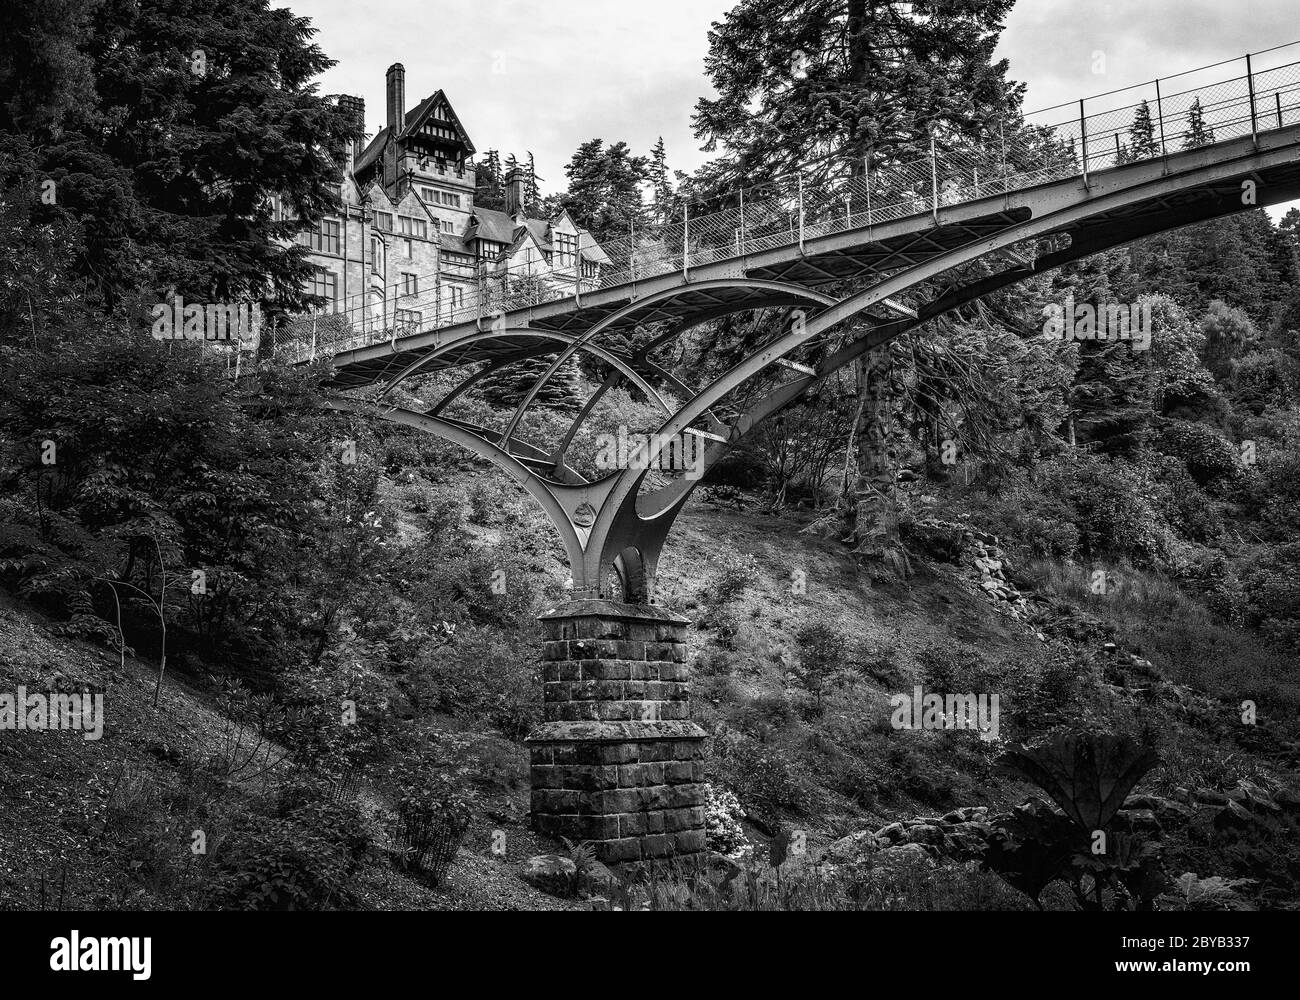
[1146, 121]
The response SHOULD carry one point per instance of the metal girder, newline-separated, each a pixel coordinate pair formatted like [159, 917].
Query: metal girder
[638, 305]
[619, 530]
[609, 357]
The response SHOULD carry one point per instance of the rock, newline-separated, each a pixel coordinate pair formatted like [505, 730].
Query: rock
[551, 873]
[600, 903]
[1138, 820]
[989, 585]
[893, 833]
[925, 834]
[600, 879]
[904, 856]
[1161, 808]
[853, 848]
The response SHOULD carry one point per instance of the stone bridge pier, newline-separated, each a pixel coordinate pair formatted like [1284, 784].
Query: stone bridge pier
[617, 761]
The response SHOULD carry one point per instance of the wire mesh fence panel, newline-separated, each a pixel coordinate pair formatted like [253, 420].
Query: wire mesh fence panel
[1132, 124]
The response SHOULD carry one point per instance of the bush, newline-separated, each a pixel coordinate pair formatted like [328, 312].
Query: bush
[823, 649]
[729, 581]
[1272, 584]
[432, 819]
[1210, 458]
[485, 674]
[722, 816]
[761, 776]
[302, 858]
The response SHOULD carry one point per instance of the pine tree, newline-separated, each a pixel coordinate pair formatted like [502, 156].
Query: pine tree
[142, 155]
[532, 188]
[604, 194]
[835, 81]
[505, 389]
[1198, 132]
[1142, 144]
[489, 187]
[661, 186]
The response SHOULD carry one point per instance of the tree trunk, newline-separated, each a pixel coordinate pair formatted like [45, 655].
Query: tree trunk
[875, 508]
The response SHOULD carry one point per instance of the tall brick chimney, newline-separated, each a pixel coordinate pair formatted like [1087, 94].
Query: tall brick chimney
[396, 97]
[356, 108]
[514, 183]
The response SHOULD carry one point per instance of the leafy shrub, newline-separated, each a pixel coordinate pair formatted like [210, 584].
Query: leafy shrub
[432, 819]
[729, 581]
[302, 858]
[722, 816]
[485, 674]
[762, 777]
[1272, 584]
[823, 649]
[1211, 459]
[764, 715]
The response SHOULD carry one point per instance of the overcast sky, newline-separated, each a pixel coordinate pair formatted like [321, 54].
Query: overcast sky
[546, 75]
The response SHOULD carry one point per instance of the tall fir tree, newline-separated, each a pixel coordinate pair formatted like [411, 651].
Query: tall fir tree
[830, 83]
[1198, 132]
[178, 140]
[604, 193]
[661, 185]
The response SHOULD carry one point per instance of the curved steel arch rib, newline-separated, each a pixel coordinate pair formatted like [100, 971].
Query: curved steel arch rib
[559, 502]
[608, 357]
[663, 505]
[795, 293]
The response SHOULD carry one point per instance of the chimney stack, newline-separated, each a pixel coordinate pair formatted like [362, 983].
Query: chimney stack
[514, 182]
[356, 108]
[396, 98]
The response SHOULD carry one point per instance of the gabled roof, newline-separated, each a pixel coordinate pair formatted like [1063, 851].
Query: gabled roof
[415, 118]
[489, 224]
[372, 151]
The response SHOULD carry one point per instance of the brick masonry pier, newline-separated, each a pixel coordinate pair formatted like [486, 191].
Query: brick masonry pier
[617, 760]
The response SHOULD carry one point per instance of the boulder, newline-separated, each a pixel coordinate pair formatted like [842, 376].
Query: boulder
[852, 848]
[551, 873]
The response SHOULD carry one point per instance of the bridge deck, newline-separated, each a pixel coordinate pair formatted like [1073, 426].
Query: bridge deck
[862, 252]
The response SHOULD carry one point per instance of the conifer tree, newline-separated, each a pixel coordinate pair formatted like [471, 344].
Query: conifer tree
[831, 82]
[1198, 132]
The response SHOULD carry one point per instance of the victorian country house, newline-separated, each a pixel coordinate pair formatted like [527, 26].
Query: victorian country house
[408, 250]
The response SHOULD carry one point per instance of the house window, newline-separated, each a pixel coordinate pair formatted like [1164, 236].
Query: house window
[325, 237]
[410, 283]
[566, 249]
[455, 296]
[325, 283]
[414, 227]
[408, 319]
[376, 254]
[489, 250]
[447, 227]
[435, 197]
[384, 221]
[589, 268]
[409, 247]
